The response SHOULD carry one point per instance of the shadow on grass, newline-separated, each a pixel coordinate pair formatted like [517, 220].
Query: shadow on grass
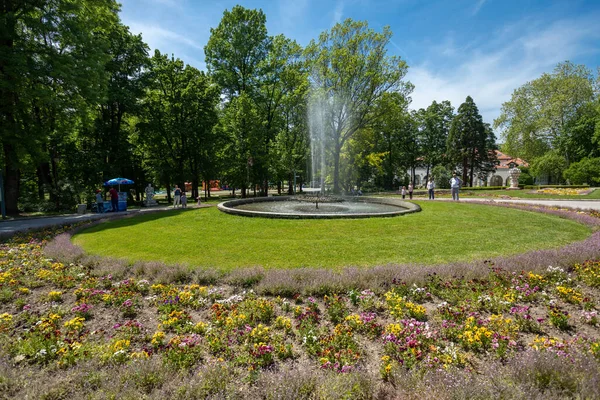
[131, 220]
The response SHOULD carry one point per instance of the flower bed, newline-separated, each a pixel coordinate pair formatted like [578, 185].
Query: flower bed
[182, 339]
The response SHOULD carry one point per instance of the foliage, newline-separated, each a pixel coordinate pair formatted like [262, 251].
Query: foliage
[551, 165]
[351, 72]
[471, 143]
[441, 177]
[585, 171]
[546, 114]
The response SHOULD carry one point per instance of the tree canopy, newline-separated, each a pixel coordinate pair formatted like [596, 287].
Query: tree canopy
[82, 101]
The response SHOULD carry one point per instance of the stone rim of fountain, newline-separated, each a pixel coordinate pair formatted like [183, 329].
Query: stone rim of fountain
[404, 207]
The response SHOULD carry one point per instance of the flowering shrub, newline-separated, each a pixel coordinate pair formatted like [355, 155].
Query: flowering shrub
[184, 351]
[83, 310]
[475, 335]
[336, 308]
[590, 317]
[55, 295]
[400, 308]
[339, 350]
[563, 191]
[525, 322]
[569, 295]
[589, 272]
[408, 343]
[5, 322]
[177, 321]
[558, 317]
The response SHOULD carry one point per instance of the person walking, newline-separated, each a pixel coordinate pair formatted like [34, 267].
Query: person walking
[99, 201]
[114, 199]
[430, 189]
[410, 190]
[455, 184]
[176, 196]
[403, 192]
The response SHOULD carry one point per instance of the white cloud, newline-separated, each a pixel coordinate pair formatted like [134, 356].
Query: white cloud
[478, 6]
[338, 13]
[160, 38]
[491, 72]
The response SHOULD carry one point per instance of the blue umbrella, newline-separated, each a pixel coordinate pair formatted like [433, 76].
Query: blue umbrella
[119, 181]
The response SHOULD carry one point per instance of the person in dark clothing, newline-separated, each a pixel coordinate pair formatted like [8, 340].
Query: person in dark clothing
[114, 199]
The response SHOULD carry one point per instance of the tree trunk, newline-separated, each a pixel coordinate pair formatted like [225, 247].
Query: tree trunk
[336, 170]
[465, 169]
[12, 179]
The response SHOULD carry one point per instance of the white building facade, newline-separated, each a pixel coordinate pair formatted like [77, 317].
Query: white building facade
[498, 178]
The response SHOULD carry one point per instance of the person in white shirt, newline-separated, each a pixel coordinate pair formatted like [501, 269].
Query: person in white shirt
[176, 196]
[183, 199]
[455, 184]
[430, 187]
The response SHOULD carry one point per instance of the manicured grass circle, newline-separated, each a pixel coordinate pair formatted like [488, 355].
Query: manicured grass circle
[442, 232]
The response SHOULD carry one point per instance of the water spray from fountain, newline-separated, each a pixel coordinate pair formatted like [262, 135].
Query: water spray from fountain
[318, 140]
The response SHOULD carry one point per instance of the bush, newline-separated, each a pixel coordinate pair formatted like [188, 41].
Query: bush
[525, 178]
[584, 171]
[441, 177]
[551, 165]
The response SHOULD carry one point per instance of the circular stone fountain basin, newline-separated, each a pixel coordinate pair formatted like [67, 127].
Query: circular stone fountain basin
[298, 208]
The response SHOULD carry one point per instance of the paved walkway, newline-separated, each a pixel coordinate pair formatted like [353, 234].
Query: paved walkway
[581, 204]
[10, 227]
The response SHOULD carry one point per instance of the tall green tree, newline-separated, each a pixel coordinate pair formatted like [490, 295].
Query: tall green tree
[470, 143]
[283, 81]
[105, 150]
[52, 58]
[351, 71]
[237, 54]
[292, 140]
[434, 127]
[178, 115]
[235, 50]
[391, 135]
[240, 125]
[537, 117]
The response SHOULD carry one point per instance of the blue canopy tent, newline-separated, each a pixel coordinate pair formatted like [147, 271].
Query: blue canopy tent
[119, 181]
[122, 205]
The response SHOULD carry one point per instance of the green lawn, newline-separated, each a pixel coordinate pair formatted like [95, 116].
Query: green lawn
[442, 232]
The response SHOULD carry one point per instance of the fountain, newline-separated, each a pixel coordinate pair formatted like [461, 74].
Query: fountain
[318, 207]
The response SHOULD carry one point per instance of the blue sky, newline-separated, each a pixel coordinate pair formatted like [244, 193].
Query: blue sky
[454, 48]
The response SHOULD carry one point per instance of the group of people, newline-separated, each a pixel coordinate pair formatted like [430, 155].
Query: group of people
[455, 184]
[114, 200]
[179, 198]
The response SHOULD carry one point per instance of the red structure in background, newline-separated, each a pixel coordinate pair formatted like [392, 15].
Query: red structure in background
[214, 185]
